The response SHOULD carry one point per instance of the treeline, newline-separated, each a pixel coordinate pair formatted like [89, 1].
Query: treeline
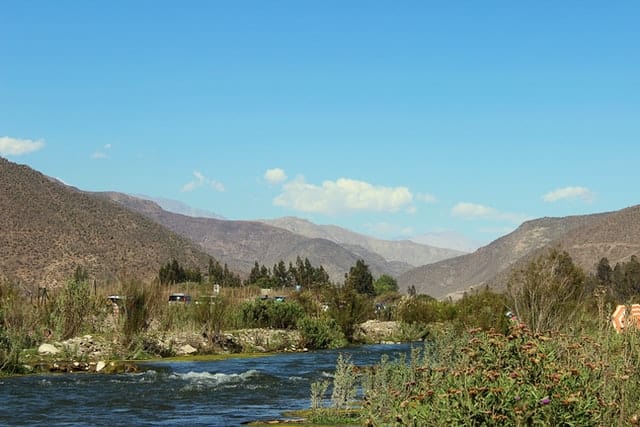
[172, 272]
[622, 281]
[302, 274]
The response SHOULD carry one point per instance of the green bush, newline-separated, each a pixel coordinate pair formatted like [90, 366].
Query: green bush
[271, 314]
[320, 333]
[424, 309]
[484, 309]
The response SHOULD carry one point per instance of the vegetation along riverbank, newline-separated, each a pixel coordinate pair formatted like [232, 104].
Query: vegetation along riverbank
[555, 360]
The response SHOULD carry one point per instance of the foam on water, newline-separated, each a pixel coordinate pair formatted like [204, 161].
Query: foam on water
[208, 379]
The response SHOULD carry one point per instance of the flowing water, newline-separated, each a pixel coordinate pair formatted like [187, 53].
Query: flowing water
[203, 393]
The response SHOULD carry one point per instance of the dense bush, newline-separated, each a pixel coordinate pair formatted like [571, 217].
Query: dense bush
[271, 314]
[424, 309]
[483, 309]
[349, 308]
[319, 333]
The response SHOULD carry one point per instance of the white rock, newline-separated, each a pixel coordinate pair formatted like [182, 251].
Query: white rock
[48, 349]
[187, 349]
[100, 366]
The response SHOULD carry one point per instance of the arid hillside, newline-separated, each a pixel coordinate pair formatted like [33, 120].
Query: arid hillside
[49, 229]
[241, 243]
[405, 251]
[490, 264]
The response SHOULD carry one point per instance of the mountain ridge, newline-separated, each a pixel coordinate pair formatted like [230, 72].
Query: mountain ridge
[587, 238]
[49, 229]
[404, 251]
[242, 243]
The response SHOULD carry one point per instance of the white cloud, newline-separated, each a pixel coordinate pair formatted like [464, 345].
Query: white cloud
[475, 211]
[202, 181]
[16, 147]
[102, 153]
[343, 195]
[275, 176]
[569, 193]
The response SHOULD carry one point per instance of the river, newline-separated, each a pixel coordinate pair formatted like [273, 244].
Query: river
[200, 393]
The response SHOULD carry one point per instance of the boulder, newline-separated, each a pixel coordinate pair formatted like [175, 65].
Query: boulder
[187, 349]
[48, 349]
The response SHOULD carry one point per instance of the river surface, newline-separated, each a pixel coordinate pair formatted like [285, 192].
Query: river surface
[203, 393]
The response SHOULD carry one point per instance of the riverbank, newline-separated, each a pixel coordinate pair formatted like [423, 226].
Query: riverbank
[105, 353]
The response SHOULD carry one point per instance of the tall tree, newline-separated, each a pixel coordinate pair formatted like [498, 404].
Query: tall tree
[360, 279]
[604, 272]
[216, 272]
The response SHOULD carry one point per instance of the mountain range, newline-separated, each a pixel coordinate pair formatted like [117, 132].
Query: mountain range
[48, 229]
[242, 243]
[587, 238]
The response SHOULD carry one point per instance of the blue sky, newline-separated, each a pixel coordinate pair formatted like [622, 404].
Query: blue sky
[390, 118]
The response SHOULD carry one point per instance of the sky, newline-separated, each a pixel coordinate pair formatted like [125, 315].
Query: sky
[390, 118]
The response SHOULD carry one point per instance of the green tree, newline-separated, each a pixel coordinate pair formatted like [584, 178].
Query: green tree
[604, 272]
[632, 275]
[385, 283]
[281, 275]
[349, 308]
[360, 279]
[216, 272]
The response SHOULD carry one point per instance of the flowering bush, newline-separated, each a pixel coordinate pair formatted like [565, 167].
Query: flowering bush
[521, 378]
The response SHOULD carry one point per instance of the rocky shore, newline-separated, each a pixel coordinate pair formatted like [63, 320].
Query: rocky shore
[101, 355]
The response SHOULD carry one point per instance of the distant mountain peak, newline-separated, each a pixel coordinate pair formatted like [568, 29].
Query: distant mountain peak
[179, 207]
[405, 251]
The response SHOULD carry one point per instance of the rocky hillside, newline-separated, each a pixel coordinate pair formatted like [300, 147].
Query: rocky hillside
[241, 243]
[48, 229]
[403, 251]
[492, 261]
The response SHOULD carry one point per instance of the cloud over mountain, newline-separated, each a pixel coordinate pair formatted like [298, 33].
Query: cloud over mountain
[16, 147]
[342, 196]
[569, 193]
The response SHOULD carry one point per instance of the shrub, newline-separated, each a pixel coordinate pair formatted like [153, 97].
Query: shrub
[271, 314]
[320, 333]
[211, 314]
[484, 309]
[547, 293]
[424, 309]
[18, 322]
[70, 309]
[349, 308]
